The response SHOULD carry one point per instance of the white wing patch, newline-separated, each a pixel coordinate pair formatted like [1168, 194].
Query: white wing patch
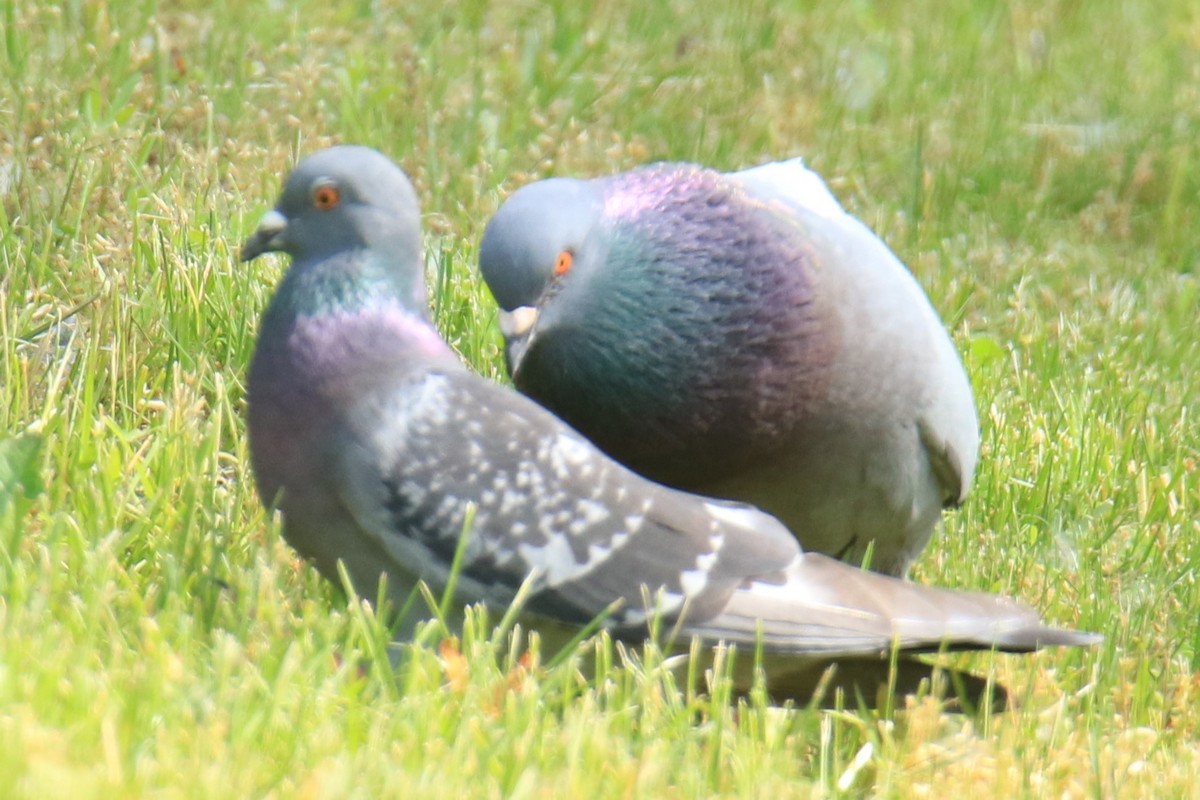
[588, 513]
[569, 456]
[737, 517]
[555, 559]
[706, 561]
[424, 406]
[693, 581]
[794, 183]
[510, 502]
[598, 552]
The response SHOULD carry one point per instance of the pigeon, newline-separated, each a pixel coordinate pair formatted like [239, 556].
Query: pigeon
[382, 451]
[739, 336]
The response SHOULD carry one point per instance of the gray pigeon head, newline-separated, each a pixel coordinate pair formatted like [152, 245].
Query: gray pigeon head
[523, 241]
[339, 199]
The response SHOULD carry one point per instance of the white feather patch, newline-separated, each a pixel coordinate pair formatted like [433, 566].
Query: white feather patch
[555, 559]
[793, 182]
[693, 581]
[737, 517]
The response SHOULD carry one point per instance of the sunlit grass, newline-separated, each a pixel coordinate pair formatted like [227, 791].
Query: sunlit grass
[1035, 164]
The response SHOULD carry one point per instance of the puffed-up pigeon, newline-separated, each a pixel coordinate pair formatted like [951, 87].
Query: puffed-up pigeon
[377, 445]
[739, 336]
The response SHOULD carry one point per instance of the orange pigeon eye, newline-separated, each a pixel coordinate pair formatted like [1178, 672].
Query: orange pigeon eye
[563, 263]
[326, 196]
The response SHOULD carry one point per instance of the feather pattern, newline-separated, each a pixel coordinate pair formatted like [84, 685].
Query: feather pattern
[380, 449]
[740, 336]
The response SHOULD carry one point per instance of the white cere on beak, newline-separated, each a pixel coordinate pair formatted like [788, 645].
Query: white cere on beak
[270, 225]
[517, 322]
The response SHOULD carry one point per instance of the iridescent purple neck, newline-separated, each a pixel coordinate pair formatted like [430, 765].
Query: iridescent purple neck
[382, 336]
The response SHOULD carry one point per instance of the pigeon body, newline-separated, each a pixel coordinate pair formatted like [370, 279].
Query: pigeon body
[739, 336]
[377, 445]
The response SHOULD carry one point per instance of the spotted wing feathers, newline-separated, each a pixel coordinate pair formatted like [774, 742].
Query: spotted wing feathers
[545, 502]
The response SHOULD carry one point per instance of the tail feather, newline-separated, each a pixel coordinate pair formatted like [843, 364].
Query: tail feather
[825, 608]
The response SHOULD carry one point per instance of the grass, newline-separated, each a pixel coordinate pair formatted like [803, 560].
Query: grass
[1034, 163]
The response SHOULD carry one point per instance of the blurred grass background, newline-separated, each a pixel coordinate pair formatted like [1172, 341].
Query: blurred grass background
[1033, 163]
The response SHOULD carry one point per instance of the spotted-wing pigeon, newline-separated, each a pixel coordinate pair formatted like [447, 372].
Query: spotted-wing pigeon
[377, 445]
[739, 336]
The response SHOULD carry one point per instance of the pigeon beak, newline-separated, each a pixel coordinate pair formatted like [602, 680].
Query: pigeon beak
[518, 322]
[268, 238]
[517, 326]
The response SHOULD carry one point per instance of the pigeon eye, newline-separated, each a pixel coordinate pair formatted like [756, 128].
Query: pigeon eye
[326, 196]
[563, 263]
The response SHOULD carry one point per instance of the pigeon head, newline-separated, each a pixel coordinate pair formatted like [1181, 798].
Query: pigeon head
[524, 242]
[352, 206]
[663, 337]
[532, 239]
[340, 199]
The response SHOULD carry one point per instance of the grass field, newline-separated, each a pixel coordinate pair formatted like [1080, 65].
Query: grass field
[1035, 163]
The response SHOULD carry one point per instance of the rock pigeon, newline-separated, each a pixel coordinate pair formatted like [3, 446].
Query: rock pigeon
[740, 336]
[377, 446]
